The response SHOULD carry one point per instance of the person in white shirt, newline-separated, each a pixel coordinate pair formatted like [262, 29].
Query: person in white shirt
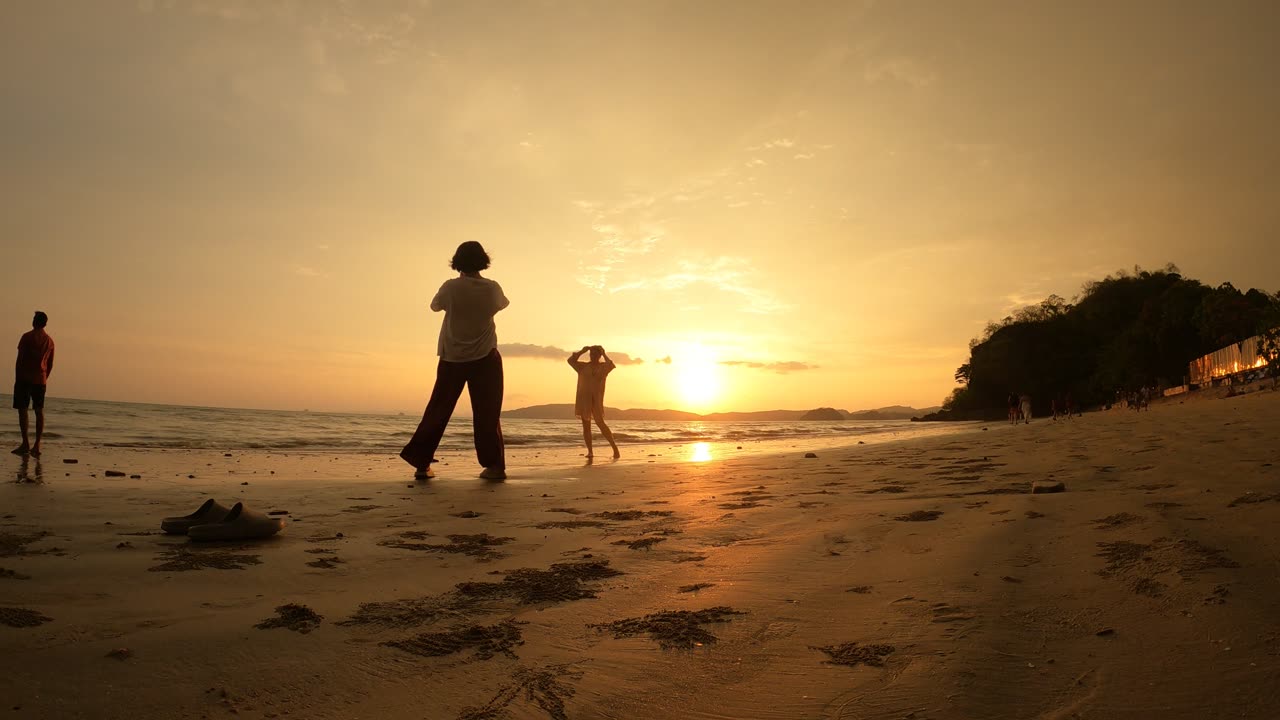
[589, 403]
[468, 350]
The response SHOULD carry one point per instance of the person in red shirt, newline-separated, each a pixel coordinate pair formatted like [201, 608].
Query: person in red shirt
[31, 375]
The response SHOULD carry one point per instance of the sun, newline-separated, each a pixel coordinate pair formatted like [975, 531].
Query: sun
[699, 380]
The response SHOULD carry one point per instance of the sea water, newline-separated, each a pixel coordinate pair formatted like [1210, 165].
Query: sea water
[90, 423]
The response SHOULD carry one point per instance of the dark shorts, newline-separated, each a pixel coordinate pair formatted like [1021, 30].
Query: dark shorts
[27, 393]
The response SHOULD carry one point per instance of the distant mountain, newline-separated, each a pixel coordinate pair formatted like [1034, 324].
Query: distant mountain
[824, 413]
[564, 411]
[893, 412]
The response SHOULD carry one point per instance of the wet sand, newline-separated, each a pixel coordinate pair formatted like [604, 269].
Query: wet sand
[919, 579]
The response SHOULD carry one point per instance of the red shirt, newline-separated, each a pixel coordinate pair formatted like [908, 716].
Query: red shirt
[35, 357]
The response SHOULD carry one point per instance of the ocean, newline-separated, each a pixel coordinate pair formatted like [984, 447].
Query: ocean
[93, 423]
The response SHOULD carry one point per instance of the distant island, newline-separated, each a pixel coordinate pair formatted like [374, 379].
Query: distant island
[564, 411]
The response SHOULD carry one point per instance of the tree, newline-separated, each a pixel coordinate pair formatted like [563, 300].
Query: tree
[1126, 331]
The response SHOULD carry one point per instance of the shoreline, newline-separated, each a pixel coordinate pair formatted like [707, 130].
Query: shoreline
[967, 596]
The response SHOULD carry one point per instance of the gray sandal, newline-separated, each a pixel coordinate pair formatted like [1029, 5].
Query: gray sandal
[210, 512]
[239, 524]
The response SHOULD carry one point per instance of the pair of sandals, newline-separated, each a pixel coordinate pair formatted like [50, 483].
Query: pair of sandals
[487, 474]
[214, 521]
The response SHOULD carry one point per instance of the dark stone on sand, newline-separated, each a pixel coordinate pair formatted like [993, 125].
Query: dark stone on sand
[22, 617]
[1105, 632]
[485, 640]
[852, 654]
[298, 618]
[694, 587]
[135, 477]
[120, 654]
[1040, 487]
[920, 516]
[466, 514]
[70, 461]
[191, 477]
[277, 512]
[679, 629]
[114, 473]
[811, 456]
[245, 483]
[226, 454]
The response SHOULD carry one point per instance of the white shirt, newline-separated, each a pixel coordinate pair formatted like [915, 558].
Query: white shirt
[469, 304]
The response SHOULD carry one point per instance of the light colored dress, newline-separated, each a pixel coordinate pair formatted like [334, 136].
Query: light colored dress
[590, 399]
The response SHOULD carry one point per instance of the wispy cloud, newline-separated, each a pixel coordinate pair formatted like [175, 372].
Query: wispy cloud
[785, 143]
[550, 352]
[727, 274]
[900, 69]
[781, 368]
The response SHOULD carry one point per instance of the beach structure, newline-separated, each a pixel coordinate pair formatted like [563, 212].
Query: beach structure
[1238, 361]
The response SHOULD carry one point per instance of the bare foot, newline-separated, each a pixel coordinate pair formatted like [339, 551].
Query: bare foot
[35, 451]
[22, 450]
[425, 473]
[616, 454]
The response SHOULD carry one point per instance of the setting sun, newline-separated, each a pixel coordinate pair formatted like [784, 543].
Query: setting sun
[700, 379]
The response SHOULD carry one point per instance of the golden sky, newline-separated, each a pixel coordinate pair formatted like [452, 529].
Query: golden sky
[251, 203]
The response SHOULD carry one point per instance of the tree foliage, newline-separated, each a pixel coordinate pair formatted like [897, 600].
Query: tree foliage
[1126, 331]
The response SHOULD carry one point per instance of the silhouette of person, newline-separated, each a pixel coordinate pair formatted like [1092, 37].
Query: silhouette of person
[589, 403]
[1024, 402]
[468, 350]
[31, 376]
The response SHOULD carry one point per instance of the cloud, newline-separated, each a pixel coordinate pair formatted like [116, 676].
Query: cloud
[727, 274]
[784, 143]
[309, 272]
[901, 69]
[805, 156]
[665, 361]
[781, 368]
[550, 352]
[524, 350]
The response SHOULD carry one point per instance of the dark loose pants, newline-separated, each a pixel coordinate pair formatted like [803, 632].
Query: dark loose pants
[483, 379]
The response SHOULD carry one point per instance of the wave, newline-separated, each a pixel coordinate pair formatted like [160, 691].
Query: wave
[157, 426]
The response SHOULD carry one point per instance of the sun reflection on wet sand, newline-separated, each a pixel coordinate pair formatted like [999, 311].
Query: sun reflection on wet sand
[701, 452]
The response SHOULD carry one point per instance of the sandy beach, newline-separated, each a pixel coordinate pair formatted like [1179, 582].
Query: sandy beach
[916, 579]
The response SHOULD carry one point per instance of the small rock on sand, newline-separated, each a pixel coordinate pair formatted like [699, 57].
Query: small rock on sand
[120, 654]
[70, 461]
[811, 455]
[1047, 486]
[114, 473]
[135, 477]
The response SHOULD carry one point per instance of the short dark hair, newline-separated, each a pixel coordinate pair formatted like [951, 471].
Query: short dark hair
[40, 320]
[470, 257]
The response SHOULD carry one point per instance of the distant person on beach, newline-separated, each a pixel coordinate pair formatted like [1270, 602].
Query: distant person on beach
[31, 375]
[589, 403]
[1024, 404]
[468, 350]
[1013, 408]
